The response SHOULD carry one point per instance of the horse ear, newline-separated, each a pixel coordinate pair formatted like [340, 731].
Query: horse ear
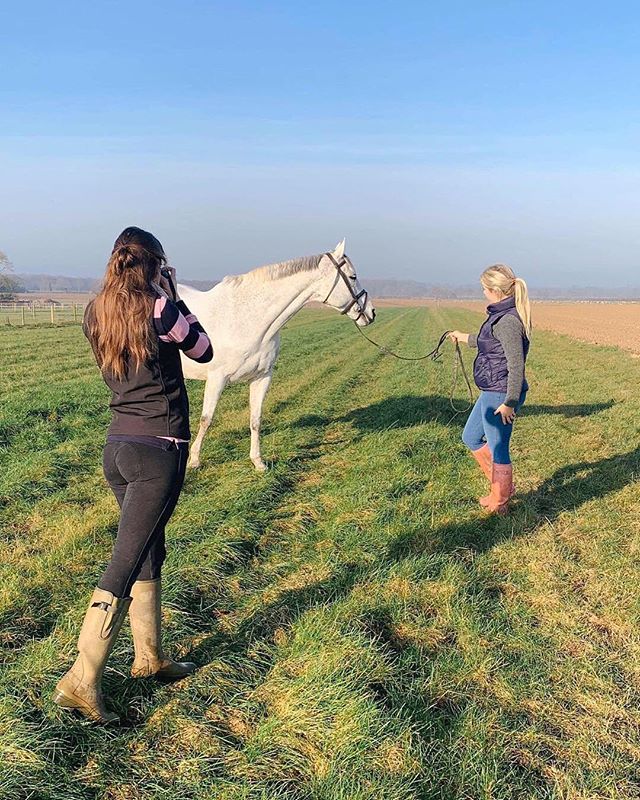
[339, 250]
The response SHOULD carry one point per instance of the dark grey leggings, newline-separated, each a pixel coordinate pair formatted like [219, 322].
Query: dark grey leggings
[147, 482]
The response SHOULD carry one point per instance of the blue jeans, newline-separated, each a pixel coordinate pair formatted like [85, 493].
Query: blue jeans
[484, 426]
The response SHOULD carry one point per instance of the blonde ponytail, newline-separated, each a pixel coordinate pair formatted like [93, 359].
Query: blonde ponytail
[523, 306]
[501, 278]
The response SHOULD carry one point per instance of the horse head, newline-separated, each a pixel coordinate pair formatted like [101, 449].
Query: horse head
[340, 288]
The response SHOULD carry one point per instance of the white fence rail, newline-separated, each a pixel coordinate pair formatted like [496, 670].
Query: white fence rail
[24, 313]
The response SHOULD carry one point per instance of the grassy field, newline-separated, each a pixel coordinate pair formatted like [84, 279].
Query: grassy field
[364, 631]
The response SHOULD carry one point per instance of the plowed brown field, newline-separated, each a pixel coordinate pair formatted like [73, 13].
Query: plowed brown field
[615, 324]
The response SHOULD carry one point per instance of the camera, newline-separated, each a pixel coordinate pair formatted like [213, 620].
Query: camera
[166, 274]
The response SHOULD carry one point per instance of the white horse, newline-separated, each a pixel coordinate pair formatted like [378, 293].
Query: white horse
[243, 315]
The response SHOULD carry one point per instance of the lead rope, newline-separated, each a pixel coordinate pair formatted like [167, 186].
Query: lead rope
[435, 355]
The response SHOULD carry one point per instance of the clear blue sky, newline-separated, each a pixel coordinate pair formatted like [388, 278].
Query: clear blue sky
[438, 137]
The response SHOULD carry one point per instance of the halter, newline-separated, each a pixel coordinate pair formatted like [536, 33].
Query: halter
[355, 301]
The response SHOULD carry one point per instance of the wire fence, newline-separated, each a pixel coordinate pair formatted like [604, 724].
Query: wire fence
[25, 314]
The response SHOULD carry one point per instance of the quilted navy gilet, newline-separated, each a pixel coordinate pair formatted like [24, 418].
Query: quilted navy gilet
[490, 370]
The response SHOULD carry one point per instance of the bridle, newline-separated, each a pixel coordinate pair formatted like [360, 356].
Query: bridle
[355, 298]
[434, 355]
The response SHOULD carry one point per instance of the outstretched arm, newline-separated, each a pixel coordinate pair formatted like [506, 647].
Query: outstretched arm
[175, 323]
[468, 338]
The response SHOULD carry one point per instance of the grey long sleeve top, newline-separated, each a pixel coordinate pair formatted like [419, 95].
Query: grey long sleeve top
[509, 331]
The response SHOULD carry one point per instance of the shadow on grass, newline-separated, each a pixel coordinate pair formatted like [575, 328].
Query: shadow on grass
[204, 607]
[410, 410]
[575, 410]
[566, 490]
[283, 611]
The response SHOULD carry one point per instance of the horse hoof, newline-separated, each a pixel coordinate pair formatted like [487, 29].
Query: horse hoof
[193, 465]
[260, 466]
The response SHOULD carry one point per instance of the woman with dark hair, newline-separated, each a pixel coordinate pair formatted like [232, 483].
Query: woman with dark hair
[137, 327]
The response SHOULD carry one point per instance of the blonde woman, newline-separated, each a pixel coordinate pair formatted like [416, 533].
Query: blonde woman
[499, 373]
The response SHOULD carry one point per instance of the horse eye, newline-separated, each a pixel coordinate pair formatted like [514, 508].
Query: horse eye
[353, 277]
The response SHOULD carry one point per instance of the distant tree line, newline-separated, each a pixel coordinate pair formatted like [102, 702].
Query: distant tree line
[10, 283]
[379, 287]
[56, 283]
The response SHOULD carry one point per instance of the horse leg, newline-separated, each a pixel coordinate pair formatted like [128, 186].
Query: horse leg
[258, 388]
[212, 391]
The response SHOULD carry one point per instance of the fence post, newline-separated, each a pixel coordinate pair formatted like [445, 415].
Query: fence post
[75, 312]
[33, 311]
[22, 315]
[53, 319]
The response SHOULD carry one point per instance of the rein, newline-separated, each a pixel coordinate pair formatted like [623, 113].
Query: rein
[435, 355]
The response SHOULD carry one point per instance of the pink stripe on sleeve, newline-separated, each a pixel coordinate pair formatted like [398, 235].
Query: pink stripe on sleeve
[180, 330]
[199, 347]
[191, 318]
[159, 305]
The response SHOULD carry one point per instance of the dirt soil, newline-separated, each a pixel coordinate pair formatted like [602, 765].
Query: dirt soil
[607, 323]
[68, 298]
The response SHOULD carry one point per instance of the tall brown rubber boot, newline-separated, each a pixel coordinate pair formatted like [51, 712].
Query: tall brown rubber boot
[80, 688]
[145, 616]
[485, 460]
[501, 489]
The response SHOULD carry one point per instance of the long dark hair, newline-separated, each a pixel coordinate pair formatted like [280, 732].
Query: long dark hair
[120, 320]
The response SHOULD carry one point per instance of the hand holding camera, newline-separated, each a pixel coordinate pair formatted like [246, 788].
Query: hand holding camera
[168, 282]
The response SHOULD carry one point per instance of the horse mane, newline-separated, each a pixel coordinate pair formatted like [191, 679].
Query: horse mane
[272, 272]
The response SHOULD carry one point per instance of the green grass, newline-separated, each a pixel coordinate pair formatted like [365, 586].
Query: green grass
[364, 631]
[39, 316]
